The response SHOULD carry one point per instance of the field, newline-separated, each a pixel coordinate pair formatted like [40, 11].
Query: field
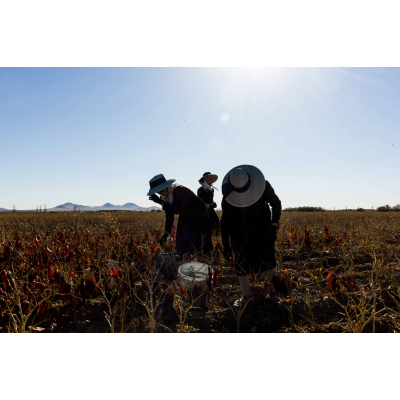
[338, 272]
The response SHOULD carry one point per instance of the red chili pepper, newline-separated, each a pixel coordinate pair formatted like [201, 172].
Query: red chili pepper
[215, 278]
[42, 307]
[25, 307]
[39, 285]
[4, 277]
[210, 275]
[210, 281]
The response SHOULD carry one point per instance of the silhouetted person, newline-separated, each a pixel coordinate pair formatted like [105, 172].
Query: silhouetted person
[246, 221]
[206, 193]
[193, 233]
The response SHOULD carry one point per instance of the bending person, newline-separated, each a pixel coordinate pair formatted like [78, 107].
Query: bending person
[193, 234]
[246, 221]
[206, 193]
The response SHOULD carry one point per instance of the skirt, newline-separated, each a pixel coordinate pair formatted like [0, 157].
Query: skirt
[193, 235]
[254, 250]
[214, 221]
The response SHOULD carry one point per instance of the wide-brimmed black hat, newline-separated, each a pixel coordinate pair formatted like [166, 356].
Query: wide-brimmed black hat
[213, 177]
[159, 183]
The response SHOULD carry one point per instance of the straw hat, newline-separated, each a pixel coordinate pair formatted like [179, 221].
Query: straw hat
[243, 185]
[212, 176]
[159, 183]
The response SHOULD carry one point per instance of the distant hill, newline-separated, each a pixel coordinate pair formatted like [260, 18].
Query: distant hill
[105, 207]
[130, 205]
[68, 207]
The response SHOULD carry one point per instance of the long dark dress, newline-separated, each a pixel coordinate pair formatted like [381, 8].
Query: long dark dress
[250, 231]
[193, 234]
[208, 198]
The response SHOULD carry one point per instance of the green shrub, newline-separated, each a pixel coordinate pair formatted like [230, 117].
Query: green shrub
[384, 208]
[305, 208]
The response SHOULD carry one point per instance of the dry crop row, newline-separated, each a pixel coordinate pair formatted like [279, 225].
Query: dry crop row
[338, 272]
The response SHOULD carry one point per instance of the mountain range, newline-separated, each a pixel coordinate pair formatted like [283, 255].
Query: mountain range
[104, 207]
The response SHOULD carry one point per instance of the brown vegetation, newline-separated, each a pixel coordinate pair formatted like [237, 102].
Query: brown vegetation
[338, 272]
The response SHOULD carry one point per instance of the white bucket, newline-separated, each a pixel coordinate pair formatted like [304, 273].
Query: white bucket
[194, 273]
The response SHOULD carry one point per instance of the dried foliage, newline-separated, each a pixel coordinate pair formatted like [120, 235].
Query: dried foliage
[338, 272]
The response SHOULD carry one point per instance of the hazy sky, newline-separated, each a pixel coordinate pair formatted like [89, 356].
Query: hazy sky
[322, 137]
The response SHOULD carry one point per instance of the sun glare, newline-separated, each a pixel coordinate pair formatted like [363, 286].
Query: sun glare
[240, 84]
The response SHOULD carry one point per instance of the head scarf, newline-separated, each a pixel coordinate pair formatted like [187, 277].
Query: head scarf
[169, 198]
[207, 186]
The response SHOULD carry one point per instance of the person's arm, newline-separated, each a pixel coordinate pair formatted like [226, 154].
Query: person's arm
[171, 210]
[213, 203]
[225, 228]
[156, 199]
[169, 222]
[179, 197]
[273, 200]
[203, 195]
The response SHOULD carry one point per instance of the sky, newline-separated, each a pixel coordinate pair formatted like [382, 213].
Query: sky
[323, 137]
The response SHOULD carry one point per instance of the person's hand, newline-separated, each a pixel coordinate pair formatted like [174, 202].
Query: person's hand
[272, 233]
[155, 198]
[164, 239]
[214, 205]
[227, 251]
